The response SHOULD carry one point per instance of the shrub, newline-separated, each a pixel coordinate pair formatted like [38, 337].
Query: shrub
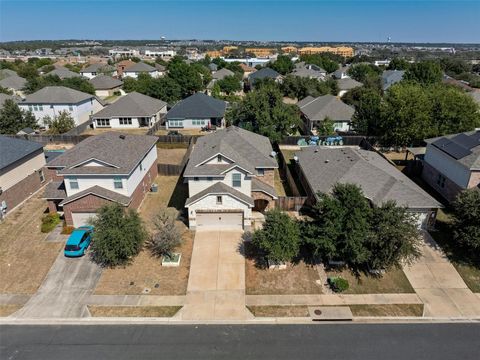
[338, 284]
[49, 222]
[67, 230]
[167, 237]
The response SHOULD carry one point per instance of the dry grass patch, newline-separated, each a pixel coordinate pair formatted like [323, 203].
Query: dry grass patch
[98, 131]
[279, 184]
[387, 310]
[182, 131]
[279, 311]
[170, 156]
[299, 278]
[7, 310]
[133, 311]
[25, 256]
[393, 281]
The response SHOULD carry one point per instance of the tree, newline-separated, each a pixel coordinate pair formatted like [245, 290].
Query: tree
[323, 60]
[398, 64]
[466, 219]
[119, 235]
[394, 238]
[367, 103]
[364, 72]
[60, 123]
[77, 83]
[167, 237]
[229, 84]
[279, 238]
[13, 119]
[187, 77]
[264, 112]
[326, 127]
[424, 72]
[282, 65]
[299, 87]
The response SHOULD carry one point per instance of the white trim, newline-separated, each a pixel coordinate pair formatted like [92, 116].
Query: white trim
[214, 156]
[237, 166]
[100, 196]
[263, 191]
[93, 159]
[219, 193]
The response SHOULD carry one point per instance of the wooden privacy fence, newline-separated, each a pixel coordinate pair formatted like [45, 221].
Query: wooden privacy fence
[348, 140]
[291, 203]
[176, 169]
[52, 139]
[175, 139]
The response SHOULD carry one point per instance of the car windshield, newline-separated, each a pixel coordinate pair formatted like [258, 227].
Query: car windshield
[72, 247]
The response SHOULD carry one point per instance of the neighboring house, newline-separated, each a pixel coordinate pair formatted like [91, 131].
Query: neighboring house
[105, 85]
[390, 77]
[247, 70]
[130, 111]
[140, 68]
[315, 110]
[26, 131]
[50, 100]
[264, 73]
[96, 69]
[106, 168]
[21, 171]
[63, 73]
[6, 73]
[347, 84]
[309, 71]
[230, 173]
[14, 83]
[212, 67]
[122, 65]
[341, 73]
[197, 111]
[162, 70]
[320, 168]
[452, 163]
[218, 75]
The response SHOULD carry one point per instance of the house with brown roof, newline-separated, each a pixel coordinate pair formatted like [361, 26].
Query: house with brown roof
[111, 167]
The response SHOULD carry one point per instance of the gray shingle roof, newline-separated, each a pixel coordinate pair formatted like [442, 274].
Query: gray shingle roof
[348, 84]
[63, 73]
[132, 104]
[55, 190]
[390, 77]
[6, 73]
[140, 67]
[97, 67]
[246, 149]
[13, 150]
[220, 188]
[4, 97]
[379, 180]
[222, 73]
[123, 154]
[56, 95]
[258, 185]
[326, 106]
[475, 95]
[13, 82]
[262, 74]
[104, 82]
[101, 192]
[472, 158]
[197, 106]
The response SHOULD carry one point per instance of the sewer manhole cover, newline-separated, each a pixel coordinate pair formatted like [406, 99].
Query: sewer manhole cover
[318, 312]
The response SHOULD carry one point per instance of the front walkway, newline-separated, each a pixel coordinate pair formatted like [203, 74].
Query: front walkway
[216, 286]
[439, 285]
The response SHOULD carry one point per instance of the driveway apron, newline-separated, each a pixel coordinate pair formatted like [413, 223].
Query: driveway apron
[216, 285]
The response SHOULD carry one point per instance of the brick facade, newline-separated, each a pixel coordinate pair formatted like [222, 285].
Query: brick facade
[268, 177]
[19, 192]
[51, 174]
[449, 190]
[144, 186]
[258, 195]
[474, 179]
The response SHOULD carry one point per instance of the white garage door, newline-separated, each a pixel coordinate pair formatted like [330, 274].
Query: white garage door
[80, 219]
[212, 221]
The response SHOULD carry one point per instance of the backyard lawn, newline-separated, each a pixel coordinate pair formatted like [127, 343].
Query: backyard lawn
[98, 131]
[170, 156]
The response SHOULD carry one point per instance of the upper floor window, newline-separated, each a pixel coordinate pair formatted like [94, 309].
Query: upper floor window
[70, 107]
[73, 183]
[117, 183]
[261, 172]
[237, 180]
[219, 200]
[219, 158]
[41, 175]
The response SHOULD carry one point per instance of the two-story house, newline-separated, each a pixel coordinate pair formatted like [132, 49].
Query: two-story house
[50, 100]
[230, 173]
[141, 68]
[111, 167]
[97, 69]
[452, 163]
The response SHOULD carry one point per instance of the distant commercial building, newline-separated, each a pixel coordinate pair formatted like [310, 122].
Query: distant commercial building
[124, 52]
[289, 50]
[160, 53]
[341, 50]
[261, 52]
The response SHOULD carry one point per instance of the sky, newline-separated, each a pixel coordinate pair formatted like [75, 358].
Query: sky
[336, 21]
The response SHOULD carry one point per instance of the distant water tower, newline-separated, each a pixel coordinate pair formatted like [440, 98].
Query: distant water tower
[389, 39]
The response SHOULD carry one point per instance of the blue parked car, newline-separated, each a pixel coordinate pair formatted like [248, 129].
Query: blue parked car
[78, 241]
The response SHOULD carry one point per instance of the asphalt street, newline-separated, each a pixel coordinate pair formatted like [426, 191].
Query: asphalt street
[316, 341]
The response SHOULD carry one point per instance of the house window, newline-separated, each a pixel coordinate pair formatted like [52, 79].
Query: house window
[30, 107]
[103, 122]
[41, 175]
[125, 121]
[70, 108]
[175, 123]
[117, 183]
[40, 107]
[441, 180]
[35, 107]
[219, 200]
[209, 178]
[73, 183]
[195, 179]
[237, 180]
[219, 158]
[141, 166]
[260, 172]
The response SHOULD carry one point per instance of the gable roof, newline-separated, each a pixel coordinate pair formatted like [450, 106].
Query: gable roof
[97, 67]
[56, 95]
[13, 150]
[5, 97]
[6, 73]
[63, 73]
[222, 73]
[245, 149]
[462, 147]
[326, 106]
[308, 73]
[220, 188]
[390, 77]
[348, 84]
[262, 74]
[258, 185]
[379, 180]
[100, 192]
[104, 82]
[139, 67]
[122, 153]
[13, 82]
[132, 104]
[198, 105]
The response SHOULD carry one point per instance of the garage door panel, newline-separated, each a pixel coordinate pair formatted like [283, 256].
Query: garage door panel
[209, 221]
[80, 219]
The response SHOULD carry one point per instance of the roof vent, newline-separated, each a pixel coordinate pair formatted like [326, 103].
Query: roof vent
[327, 161]
[122, 137]
[273, 154]
[316, 150]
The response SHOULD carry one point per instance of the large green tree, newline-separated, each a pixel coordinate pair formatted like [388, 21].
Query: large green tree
[229, 84]
[300, 87]
[282, 65]
[186, 76]
[60, 123]
[466, 224]
[78, 83]
[367, 102]
[118, 236]
[264, 112]
[398, 64]
[424, 72]
[328, 62]
[13, 119]
[364, 72]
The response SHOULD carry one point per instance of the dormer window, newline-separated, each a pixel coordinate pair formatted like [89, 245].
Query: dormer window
[219, 158]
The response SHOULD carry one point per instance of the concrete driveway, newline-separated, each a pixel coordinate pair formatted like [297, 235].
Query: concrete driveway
[64, 291]
[216, 285]
[438, 284]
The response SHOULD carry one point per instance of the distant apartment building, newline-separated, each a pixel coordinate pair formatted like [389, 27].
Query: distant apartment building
[160, 53]
[261, 52]
[124, 52]
[341, 50]
[289, 50]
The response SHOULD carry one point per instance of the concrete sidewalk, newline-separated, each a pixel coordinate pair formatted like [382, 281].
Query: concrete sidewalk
[438, 284]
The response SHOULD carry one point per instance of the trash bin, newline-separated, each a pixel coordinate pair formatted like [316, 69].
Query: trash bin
[154, 188]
